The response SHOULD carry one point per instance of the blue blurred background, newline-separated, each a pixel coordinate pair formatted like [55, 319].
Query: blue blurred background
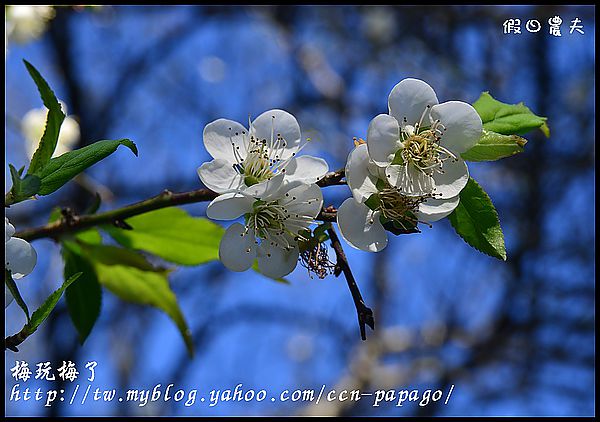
[514, 337]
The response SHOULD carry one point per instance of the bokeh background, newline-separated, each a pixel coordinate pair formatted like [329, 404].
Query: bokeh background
[514, 337]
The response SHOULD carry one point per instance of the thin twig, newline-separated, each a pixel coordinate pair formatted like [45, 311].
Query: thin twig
[165, 199]
[364, 313]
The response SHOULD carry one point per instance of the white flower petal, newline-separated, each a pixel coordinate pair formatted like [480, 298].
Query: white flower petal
[306, 200]
[266, 189]
[306, 169]
[20, 257]
[8, 297]
[222, 136]
[376, 171]
[272, 123]
[453, 179]
[383, 139]
[276, 262]
[229, 206]
[360, 181]
[9, 229]
[360, 227]
[463, 125]
[435, 209]
[409, 180]
[410, 98]
[220, 176]
[237, 249]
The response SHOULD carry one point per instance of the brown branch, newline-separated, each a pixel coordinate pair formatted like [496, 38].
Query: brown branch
[364, 313]
[11, 342]
[166, 199]
[332, 179]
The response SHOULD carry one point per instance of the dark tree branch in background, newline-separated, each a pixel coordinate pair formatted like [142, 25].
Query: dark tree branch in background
[128, 79]
[364, 313]
[165, 199]
[145, 61]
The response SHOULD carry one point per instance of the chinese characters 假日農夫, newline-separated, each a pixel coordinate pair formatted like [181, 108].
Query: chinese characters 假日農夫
[513, 26]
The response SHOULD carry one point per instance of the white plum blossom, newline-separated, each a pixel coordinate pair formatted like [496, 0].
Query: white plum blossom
[420, 141]
[257, 159]
[34, 123]
[26, 23]
[20, 257]
[374, 202]
[410, 169]
[272, 228]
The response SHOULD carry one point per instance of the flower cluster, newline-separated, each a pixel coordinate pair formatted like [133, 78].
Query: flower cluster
[19, 256]
[409, 170]
[260, 177]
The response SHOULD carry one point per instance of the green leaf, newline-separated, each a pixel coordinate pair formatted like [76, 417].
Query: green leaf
[21, 189]
[60, 170]
[493, 146]
[53, 122]
[43, 311]
[113, 255]
[508, 119]
[172, 234]
[146, 288]
[95, 205]
[397, 160]
[90, 236]
[310, 240]
[14, 290]
[55, 215]
[131, 277]
[475, 220]
[320, 232]
[398, 227]
[373, 202]
[84, 299]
